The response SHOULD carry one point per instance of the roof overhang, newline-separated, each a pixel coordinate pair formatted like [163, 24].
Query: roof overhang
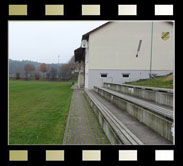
[79, 54]
[86, 35]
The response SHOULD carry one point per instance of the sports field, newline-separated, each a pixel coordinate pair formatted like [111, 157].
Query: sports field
[38, 111]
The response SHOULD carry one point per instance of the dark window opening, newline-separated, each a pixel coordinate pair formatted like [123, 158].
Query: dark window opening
[103, 75]
[125, 75]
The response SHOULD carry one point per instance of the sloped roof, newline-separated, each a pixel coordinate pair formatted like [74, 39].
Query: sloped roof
[86, 35]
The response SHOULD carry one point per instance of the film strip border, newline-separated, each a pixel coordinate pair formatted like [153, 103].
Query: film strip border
[58, 156]
[90, 155]
[90, 10]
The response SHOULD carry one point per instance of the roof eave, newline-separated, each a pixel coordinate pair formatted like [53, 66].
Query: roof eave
[86, 35]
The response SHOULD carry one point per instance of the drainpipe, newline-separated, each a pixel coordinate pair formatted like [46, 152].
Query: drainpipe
[150, 75]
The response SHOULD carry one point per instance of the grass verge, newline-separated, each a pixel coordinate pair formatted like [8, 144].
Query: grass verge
[159, 82]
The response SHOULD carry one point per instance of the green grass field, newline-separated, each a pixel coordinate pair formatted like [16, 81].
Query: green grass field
[38, 111]
[160, 82]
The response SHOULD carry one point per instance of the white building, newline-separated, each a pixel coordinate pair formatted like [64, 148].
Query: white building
[124, 51]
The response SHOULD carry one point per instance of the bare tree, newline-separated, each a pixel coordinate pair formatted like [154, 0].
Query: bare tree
[17, 75]
[53, 73]
[66, 70]
[37, 75]
[43, 68]
[48, 75]
[28, 68]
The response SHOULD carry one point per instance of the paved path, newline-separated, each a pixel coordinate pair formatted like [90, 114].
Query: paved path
[82, 125]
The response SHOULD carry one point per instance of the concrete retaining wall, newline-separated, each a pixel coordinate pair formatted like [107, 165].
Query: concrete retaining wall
[158, 95]
[116, 76]
[156, 122]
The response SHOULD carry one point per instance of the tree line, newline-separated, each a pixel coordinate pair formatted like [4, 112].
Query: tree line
[64, 72]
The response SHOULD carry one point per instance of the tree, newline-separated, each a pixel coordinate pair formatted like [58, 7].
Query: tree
[37, 76]
[66, 72]
[28, 68]
[17, 75]
[67, 69]
[43, 68]
[53, 73]
[48, 75]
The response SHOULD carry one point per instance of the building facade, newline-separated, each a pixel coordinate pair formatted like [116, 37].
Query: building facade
[119, 52]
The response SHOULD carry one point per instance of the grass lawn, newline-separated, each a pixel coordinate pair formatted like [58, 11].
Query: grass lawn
[38, 111]
[160, 82]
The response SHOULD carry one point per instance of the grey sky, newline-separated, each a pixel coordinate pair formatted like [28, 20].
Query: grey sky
[43, 41]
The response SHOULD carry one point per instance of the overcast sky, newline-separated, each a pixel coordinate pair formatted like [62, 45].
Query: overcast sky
[44, 41]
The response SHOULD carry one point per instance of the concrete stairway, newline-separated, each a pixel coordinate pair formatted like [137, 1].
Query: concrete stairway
[161, 110]
[159, 96]
[115, 130]
[129, 120]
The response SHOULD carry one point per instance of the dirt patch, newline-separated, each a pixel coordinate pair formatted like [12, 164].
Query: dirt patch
[168, 78]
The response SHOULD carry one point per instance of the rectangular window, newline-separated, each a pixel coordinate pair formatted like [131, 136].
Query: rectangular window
[103, 75]
[125, 75]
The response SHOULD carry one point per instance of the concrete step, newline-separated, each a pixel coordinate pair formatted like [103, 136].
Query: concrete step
[119, 126]
[116, 132]
[156, 117]
[160, 96]
[161, 110]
